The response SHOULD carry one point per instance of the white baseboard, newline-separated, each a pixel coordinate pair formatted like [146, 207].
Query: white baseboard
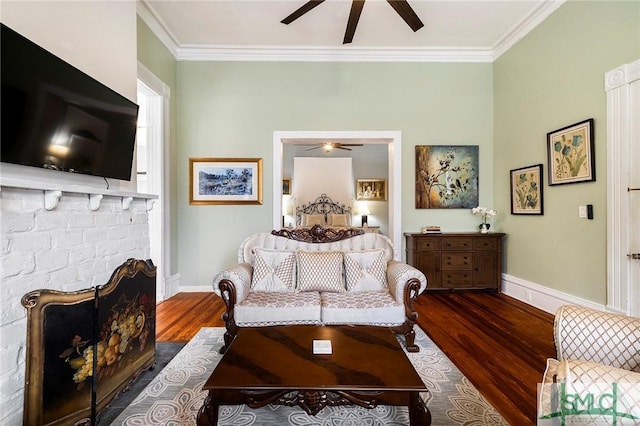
[544, 298]
[171, 286]
[536, 295]
[196, 288]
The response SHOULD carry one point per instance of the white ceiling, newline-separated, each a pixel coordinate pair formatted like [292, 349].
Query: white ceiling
[455, 30]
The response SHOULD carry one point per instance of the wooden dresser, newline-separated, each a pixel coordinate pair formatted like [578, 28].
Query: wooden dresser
[457, 260]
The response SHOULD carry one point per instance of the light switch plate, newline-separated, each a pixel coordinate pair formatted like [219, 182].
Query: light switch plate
[582, 212]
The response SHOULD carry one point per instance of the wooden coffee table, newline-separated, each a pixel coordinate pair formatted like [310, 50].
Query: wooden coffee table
[276, 365]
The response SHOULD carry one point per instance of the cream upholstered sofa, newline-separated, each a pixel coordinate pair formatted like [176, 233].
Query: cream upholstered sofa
[319, 276]
[595, 351]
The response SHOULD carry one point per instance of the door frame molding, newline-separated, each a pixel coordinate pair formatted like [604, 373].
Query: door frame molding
[620, 122]
[166, 285]
[394, 141]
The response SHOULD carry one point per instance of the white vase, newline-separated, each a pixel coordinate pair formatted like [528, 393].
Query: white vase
[484, 228]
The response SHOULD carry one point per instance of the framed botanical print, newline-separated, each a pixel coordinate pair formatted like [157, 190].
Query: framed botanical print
[526, 190]
[570, 153]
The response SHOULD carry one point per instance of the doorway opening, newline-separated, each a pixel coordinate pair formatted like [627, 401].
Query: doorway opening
[393, 140]
[151, 159]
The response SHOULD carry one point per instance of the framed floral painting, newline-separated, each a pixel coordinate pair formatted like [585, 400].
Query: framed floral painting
[570, 153]
[526, 190]
[446, 176]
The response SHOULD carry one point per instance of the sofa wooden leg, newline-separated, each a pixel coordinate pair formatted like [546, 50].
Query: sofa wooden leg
[410, 339]
[406, 329]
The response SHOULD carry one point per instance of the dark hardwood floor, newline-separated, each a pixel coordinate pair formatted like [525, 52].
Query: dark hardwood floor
[498, 342]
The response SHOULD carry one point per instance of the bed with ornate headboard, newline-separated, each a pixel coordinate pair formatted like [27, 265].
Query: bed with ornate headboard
[325, 212]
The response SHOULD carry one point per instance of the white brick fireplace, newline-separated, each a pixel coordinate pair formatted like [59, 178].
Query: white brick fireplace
[63, 241]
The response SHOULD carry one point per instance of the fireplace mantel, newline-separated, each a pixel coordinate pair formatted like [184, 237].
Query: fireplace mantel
[53, 191]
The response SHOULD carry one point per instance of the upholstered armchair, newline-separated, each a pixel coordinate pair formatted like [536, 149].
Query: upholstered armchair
[597, 369]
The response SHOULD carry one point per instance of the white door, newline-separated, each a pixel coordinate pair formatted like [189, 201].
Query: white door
[623, 189]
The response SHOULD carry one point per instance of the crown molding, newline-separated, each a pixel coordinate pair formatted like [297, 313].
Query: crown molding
[332, 54]
[158, 27]
[525, 26]
[344, 53]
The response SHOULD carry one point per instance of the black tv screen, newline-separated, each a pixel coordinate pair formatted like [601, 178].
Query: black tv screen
[56, 117]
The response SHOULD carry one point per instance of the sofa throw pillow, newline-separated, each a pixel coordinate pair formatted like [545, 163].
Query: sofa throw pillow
[320, 271]
[338, 220]
[314, 219]
[273, 270]
[365, 270]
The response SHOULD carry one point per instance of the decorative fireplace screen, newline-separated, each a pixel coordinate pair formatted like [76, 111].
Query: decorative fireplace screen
[84, 347]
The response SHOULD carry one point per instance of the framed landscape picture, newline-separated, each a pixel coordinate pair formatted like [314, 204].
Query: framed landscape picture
[526, 190]
[225, 181]
[570, 153]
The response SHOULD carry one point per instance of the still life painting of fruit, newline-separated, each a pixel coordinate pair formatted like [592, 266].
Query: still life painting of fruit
[125, 324]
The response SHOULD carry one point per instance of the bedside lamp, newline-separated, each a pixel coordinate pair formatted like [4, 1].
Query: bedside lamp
[287, 209]
[364, 212]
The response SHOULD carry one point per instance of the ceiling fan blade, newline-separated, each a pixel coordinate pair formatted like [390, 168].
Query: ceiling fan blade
[354, 17]
[301, 11]
[311, 149]
[342, 147]
[406, 12]
[351, 144]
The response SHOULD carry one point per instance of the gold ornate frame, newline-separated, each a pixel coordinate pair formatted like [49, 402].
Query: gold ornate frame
[371, 189]
[208, 185]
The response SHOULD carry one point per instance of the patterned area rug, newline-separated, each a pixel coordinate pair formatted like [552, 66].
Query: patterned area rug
[175, 395]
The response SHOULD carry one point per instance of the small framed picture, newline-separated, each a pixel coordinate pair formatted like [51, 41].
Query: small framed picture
[371, 189]
[570, 153]
[286, 186]
[526, 190]
[225, 181]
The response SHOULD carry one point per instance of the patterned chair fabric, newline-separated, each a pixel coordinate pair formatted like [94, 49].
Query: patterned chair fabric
[594, 350]
[590, 335]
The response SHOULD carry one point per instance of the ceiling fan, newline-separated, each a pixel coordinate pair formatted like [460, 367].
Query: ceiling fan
[328, 146]
[400, 6]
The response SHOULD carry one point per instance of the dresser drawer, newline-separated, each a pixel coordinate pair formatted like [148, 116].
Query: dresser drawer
[488, 243]
[457, 261]
[427, 244]
[457, 279]
[457, 244]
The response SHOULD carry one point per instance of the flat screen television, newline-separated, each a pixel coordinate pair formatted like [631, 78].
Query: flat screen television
[56, 117]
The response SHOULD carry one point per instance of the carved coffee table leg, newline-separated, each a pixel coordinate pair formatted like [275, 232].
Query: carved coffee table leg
[208, 413]
[419, 414]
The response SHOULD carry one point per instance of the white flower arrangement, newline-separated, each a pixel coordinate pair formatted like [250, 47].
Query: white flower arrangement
[484, 212]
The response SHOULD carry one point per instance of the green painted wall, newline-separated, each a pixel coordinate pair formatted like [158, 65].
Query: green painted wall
[159, 60]
[553, 78]
[231, 109]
